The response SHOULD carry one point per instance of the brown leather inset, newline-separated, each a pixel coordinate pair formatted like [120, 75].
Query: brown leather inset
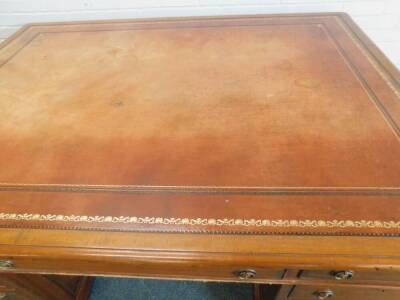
[257, 125]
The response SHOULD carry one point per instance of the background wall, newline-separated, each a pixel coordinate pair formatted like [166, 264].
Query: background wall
[380, 19]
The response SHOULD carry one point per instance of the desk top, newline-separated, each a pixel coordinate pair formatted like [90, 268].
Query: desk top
[285, 124]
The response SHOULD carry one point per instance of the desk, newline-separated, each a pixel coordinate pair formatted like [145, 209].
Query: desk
[258, 149]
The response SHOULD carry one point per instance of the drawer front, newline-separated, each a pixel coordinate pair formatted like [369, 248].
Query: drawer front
[352, 275]
[341, 293]
[148, 268]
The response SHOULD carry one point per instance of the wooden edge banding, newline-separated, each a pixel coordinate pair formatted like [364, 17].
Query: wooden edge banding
[30, 248]
[386, 75]
[14, 36]
[369, 45]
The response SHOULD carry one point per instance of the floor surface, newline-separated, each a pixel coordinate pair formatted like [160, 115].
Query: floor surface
[139, 289]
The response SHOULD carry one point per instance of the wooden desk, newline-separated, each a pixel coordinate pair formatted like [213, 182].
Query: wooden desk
[258, 149]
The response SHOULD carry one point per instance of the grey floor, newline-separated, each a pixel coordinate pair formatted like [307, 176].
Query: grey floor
[140, 289]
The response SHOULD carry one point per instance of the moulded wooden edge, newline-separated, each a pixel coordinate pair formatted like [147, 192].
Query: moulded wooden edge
[380, 57]
[269, 251]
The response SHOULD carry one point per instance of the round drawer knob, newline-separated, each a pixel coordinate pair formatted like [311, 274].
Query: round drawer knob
[6, 264]
[343, 275]
[321, 295]
[246, 274]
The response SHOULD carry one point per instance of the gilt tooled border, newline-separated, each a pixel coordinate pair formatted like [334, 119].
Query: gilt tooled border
[202, 221]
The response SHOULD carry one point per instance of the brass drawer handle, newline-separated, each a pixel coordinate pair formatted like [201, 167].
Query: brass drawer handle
[321, 295]
[6, 264]
[343, 275]
[247, 274]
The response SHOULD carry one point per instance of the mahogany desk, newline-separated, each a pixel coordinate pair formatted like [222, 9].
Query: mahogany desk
[259, 149]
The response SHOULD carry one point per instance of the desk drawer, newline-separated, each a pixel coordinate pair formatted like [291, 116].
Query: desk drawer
[150, 268]
[341, 293]
[352, 275]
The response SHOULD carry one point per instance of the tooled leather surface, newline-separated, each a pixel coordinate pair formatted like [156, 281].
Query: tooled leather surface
[264, 125]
